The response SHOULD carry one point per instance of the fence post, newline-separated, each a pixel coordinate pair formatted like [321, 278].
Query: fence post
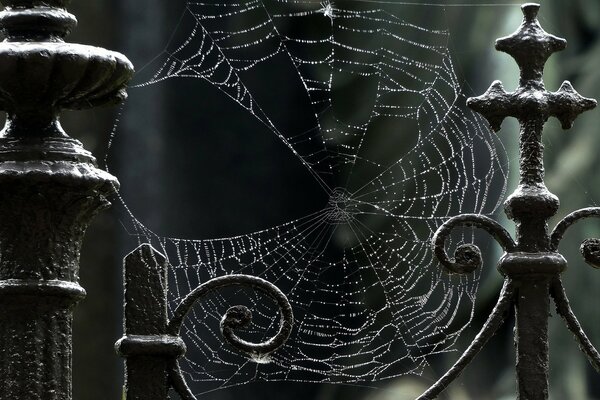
[531, 265]
[50, 189]
[147, 347]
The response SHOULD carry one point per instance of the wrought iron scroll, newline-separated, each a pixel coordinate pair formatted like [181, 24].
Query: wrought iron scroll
[531, 264]
[152, 344]
[467, 257]
[590, 248]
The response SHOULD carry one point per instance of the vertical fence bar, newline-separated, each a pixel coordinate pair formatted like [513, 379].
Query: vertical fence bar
[146, 346]
[533, 364]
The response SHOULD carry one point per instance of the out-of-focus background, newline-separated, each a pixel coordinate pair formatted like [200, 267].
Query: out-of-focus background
[184, 176]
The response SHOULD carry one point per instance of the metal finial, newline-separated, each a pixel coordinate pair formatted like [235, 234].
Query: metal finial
[530, 45]
[42, 75]
[531, 103]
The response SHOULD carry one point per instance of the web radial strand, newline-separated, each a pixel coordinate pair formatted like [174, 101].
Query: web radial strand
[369, 301]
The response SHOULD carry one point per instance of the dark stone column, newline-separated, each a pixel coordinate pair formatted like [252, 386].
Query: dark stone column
[50, 189]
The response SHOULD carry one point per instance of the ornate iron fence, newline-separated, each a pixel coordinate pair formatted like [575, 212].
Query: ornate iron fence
[50, 188]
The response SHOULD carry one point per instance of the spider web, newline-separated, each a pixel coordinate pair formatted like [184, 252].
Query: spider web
[370, 302]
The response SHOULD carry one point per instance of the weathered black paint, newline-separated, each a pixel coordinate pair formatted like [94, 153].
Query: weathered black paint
[50, 189]
[531, 265]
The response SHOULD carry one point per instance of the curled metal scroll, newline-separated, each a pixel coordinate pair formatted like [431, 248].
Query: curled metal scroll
[235, 318]
[590, 248]
[467, 257]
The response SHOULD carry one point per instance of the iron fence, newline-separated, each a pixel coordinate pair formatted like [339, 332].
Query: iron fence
[50, 188]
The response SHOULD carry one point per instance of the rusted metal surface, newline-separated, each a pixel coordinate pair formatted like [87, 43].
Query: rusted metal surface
[531, 264]
[50, 189]
[152, 344]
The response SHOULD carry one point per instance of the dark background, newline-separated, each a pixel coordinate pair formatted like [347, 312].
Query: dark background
[187, 169]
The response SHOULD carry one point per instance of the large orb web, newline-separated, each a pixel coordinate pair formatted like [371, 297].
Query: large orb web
[386, 137]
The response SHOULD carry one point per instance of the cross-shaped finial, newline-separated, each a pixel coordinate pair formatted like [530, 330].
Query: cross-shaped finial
[531, 47]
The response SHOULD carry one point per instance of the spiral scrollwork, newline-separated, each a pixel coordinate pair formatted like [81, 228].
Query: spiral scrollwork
[235, 318]
[467, 257]
[590, 248]
[239, 316]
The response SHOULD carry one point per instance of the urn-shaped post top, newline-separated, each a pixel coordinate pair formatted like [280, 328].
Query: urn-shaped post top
[40, 74]
[36, 20]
